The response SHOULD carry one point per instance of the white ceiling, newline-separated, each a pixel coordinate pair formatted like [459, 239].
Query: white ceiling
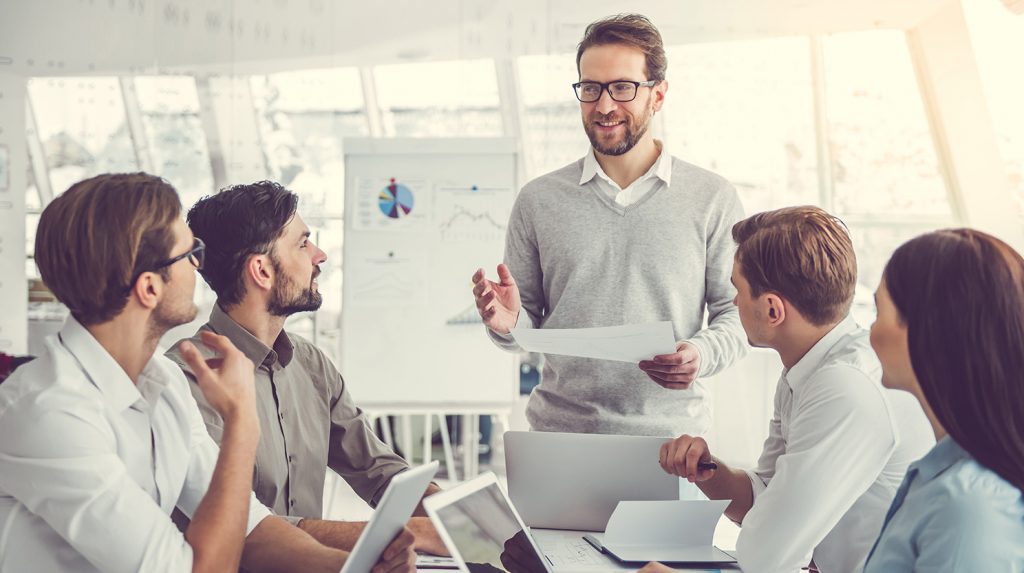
[66, 37]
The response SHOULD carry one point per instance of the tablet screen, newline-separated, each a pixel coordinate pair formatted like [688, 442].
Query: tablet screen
[487, 535]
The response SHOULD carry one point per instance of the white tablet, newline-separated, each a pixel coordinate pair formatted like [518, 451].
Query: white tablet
[393, 512]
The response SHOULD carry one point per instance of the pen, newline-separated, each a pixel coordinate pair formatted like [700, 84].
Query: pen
[707, 466]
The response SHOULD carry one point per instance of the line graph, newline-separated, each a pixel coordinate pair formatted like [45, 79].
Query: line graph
[471, 213]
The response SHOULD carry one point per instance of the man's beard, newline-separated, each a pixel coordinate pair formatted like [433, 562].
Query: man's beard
[629, 138]
[285, 301]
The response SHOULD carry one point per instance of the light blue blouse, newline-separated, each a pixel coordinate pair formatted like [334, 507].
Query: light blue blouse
[951, 514]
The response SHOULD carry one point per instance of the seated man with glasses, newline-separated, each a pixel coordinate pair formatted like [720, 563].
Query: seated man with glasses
[627, 234]
[100, 438]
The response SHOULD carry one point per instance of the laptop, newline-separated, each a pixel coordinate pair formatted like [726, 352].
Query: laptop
[393, 512]
[574, 481]
[482, 530]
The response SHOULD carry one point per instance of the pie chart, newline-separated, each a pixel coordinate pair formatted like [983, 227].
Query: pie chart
[395, 200]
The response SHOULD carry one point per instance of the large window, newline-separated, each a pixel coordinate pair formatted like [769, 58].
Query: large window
[82, 125]
[552, 128]
[885, 171]
[304, 118]
[439, 99]
[998, 39]
[745, 110]
[174, 134]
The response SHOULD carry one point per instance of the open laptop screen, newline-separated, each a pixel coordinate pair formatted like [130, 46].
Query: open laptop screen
[487, 534]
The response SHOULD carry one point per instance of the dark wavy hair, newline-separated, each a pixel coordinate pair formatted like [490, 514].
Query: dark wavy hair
[236, 223]
[960, 293]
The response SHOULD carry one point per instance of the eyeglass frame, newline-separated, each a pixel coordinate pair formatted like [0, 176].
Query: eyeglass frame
[606, 87]
[198, 250]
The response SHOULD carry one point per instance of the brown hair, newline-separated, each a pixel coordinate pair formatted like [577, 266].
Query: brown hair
[803, 254]
[630, 30]
[96, 238]
[960, 293]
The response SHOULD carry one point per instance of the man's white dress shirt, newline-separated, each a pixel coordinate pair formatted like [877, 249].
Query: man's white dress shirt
[658, 176]
[838, 446]
[91, 465]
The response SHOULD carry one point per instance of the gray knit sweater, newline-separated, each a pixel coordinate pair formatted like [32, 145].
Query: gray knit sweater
[581, 260]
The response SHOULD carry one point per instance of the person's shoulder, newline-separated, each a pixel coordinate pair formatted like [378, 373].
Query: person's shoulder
[308, 354]
[51, 396]
[568, 175]
[972, 489]
[173, 354]
[694, 175]
[853, 353]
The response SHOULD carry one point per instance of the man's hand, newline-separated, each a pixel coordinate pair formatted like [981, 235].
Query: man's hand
[399, 556]
[653, 567]
[226, 381]
[518, 556]
[498, 303]
[682, 457]
[675, 371]
[426, 538]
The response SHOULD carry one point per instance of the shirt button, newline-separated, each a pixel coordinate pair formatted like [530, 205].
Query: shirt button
[292, 502]
[291, 458]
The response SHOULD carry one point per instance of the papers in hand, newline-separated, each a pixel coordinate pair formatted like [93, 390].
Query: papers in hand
[628, 343]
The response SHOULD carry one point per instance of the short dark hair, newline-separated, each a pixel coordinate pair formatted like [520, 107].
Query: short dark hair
[98, 236]
[960, 293]
[237, 222]
[803, 254]
[630, 30]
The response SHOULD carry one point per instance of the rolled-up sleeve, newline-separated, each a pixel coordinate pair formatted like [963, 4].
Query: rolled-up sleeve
[66, 470]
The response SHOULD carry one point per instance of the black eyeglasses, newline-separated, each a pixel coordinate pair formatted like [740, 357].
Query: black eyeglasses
[196, 255]
[620, 90]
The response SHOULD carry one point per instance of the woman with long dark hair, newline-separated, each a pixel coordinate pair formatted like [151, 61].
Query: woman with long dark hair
[950, 330]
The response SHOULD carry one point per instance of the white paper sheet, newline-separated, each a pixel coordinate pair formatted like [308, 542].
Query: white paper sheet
[664, 523]
[628, 343]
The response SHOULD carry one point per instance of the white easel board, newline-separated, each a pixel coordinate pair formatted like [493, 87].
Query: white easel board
[421, 215]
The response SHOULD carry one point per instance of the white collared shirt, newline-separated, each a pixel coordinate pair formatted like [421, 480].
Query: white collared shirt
[658, 176]
[838, 447]
[91, 465]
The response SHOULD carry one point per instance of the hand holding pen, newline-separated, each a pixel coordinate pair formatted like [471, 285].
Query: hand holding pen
[687, 457]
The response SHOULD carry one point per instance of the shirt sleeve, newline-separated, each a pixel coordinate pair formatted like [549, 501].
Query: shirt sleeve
[837, 448]
[774, 446]
[355, 452]
[723, 341]
[201, 465]
[66, 471]
[523, 260]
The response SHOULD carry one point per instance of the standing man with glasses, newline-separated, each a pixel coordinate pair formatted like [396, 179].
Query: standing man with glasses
[627, 234]
[100, 439]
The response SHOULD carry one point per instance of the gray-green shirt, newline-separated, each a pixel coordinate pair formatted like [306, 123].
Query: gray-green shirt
[308, 422]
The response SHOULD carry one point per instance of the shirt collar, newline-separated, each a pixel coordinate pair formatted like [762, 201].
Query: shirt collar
[254, 349]
[945, 453]
[806, 366]
[99, 366]
[662, 168]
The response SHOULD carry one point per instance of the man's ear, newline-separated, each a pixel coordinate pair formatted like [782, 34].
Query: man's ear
[259, 272]
[659, 94]
[776, 310]
[148, 289]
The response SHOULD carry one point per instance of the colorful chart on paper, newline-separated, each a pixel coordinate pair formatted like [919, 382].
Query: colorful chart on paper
[396, 200]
